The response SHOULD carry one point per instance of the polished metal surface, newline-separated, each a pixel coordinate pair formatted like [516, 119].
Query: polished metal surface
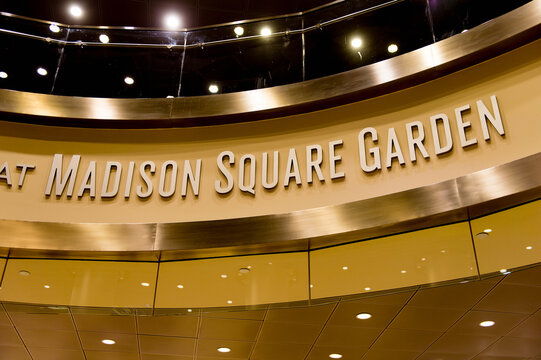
[459, 199]
[495, 37]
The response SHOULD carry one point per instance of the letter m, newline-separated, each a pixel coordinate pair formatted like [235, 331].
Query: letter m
[61, 181]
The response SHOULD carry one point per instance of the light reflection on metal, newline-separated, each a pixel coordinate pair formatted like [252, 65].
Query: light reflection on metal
[432, 205]
[494, 37]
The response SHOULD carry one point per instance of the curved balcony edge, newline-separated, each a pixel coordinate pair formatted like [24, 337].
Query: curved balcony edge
[448, 202]
[483, 42]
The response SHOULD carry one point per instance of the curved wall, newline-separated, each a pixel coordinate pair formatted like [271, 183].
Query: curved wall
[423, 213]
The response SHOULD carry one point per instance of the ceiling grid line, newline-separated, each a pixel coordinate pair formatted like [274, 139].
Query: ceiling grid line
[390, 321]
[258, 335]
[77, 332]
[17, 330]
[321, 331]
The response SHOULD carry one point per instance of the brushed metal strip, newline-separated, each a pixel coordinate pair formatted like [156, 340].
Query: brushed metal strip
[447, 202]
[492, 38]
[89, 237]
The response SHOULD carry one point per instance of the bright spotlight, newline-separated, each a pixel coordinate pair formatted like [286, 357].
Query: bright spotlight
[171, 21]
[356, 43]
[76, 11]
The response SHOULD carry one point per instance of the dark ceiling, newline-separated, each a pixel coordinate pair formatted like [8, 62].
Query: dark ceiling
[149, 13]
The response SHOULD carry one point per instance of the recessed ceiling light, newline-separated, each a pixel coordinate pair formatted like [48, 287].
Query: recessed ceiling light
[224, 349]
[41, 71]
[392, 48]
[487, 323]
[335, 356]
[223, 276]
[344, 268]
[239, 30]
[443, 251]
[47, 286]
[54, 28]
[356, 43]
[104, 38]
[403, 271]
[129, 27]
[367, 289]
[465, 30]
[529, 247]
[189, 310]
[229, 302]
[129, 80]
[487, 231]
[244, 270]
[180, 286]
[108, 342]
[171, 21]
[24, 273]
[363, 316]
[170, 96]
[213, 88]
[145, 284]
[503, 271]
[76, 11]
[266, 31]
[3, 74]
[423, 259]
[311, 285]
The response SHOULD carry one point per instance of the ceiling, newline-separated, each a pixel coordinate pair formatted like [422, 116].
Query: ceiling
[440, 323]
[150, 13]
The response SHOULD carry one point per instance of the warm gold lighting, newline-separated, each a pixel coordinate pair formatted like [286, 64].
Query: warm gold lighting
[392, 48]
[239, 30]
[356, 43]
[266, 31]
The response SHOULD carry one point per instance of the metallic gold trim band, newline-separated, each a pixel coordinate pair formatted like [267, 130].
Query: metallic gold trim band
[485, 41]
[450, 201]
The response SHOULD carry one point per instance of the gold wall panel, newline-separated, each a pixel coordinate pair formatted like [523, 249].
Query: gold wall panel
[221, 282]
[80, 283]
[514, 239]
[419, 257]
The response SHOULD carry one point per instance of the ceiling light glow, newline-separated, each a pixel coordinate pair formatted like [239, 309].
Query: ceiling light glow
[104, 38]
[180, 286]
[24, 273]
[344, 268]
[229, 302]
[129, 80]
[76, 11]
[266, 31]
[239, 30]
[47, 286]
[224, 349]
[171, 21]
[145, 284]
[213, 88]
[403, 271]
[3, 74]
[392, 48]
[108, 342]
[223, 276]
[54, 28]
[363, 316]
[367, 289]
[487, 323]
[527, 247]
[41, 71]
[356, 43]
[335, 356]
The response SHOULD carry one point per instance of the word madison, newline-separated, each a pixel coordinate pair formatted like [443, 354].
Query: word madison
[141, 179]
